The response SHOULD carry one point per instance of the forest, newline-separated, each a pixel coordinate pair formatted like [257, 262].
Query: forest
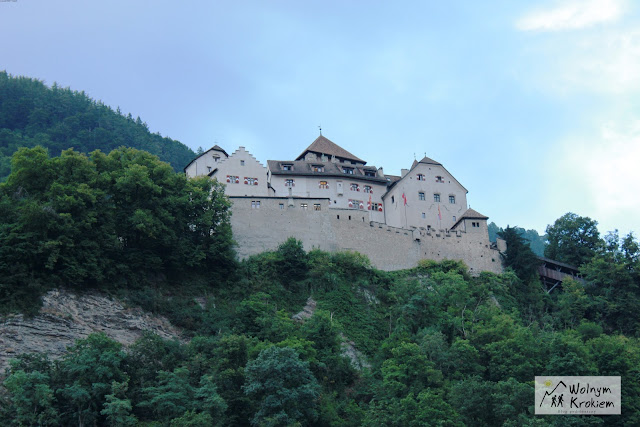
[59, 118]
[435, 346]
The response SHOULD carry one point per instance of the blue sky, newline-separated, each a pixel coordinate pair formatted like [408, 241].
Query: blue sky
[533, 106]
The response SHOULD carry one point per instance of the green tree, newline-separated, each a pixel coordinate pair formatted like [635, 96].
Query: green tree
[519, 255]
[31, 399]
[573, 239]
[283, 386]
[117, 408]
[87, 372]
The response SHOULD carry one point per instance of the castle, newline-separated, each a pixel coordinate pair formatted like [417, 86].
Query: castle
[332, 200]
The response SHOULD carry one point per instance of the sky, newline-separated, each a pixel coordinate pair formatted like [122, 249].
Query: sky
[532, 106]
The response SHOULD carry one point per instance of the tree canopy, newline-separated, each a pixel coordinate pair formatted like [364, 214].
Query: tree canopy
[105, 220]
[573, 239]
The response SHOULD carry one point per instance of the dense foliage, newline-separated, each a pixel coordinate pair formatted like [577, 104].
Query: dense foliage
[58, 118]
[107, 221]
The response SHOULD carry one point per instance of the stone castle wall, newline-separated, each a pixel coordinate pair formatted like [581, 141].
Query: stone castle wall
[257, 229]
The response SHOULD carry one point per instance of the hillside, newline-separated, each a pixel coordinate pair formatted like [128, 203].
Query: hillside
[59, 118]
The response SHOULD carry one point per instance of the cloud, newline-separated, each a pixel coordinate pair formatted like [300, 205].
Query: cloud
[601, 176]
[572, 15]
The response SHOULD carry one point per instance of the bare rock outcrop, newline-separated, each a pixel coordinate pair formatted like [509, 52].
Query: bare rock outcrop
[307, 311]
[66, 317]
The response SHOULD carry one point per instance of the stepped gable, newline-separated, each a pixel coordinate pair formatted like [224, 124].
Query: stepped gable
[469, 214]
[329, 148]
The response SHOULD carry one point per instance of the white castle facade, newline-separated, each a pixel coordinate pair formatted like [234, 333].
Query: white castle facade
[332, 200]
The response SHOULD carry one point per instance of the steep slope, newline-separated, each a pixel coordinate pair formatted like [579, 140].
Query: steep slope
[58, 118]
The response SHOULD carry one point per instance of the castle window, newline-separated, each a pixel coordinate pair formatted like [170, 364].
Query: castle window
[424, 215]
[421, 177]
[304, 206]
[355, 187]
[287, 167]
[348, 171]
[439, 179]
[356, 204]
[317, 206]
[436, 198]
[421, 196]
[289, 183]
[475, 224]
[216, 158]
[255, 204]
[323, 185]
[241, 162]
[393, 199]
[281, 205]
[250, 181]
[232, 179]
[369, 173]
[209, 167]
[317, 168]
[454, 218]
[367, 189]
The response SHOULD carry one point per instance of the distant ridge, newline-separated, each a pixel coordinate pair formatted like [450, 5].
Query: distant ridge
[59, 118]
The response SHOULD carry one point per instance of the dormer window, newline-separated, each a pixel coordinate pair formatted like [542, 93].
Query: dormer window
[421, 177]
[348, 171]
[287, 167]
[317, 168]
[369, 173]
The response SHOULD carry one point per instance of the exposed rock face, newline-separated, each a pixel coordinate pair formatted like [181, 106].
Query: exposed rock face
[66, 317]
[307, 311]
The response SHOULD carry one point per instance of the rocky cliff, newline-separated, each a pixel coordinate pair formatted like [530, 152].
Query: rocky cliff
[66, 317]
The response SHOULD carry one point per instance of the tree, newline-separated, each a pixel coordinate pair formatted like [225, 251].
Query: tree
[87, 372]
[31, 398]
[519, 255]
[283, 386]
[573, 239]
[117, 407]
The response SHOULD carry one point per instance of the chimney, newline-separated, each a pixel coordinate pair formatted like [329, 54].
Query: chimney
[403, 172]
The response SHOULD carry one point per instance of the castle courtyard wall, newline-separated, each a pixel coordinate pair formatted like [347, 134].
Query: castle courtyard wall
[264, 226]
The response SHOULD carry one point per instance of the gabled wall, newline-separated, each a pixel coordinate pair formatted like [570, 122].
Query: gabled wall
[437, 215]
[206, 163]
[247, 169]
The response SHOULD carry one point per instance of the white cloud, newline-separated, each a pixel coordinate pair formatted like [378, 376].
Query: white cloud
[601, 177]
[572, 15]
